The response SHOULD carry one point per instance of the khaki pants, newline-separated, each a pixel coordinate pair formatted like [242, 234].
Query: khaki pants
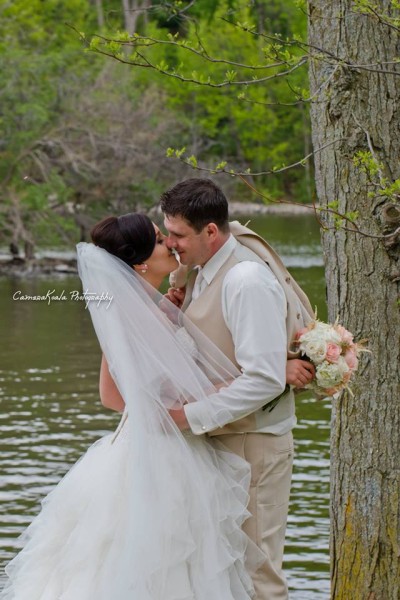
[271, 460]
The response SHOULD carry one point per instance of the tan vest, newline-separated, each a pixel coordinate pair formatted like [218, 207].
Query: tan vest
[206, 313]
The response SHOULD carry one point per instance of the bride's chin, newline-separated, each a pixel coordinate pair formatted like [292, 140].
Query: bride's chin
[174, 263]
[171, 267]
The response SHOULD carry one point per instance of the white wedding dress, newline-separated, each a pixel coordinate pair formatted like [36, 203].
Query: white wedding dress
[147, 513]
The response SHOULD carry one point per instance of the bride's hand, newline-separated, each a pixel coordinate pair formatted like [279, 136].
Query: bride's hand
[176, 296]
[172, 300]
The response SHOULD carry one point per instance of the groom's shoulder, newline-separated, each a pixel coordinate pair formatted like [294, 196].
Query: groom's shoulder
[243, 253]
[249, 274]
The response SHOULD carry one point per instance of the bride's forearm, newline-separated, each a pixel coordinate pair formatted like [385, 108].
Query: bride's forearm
[109, 393]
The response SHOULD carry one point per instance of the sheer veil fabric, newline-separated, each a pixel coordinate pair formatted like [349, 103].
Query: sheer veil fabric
[147, 513]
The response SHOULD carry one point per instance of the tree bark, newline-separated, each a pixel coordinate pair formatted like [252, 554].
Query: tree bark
[359, 107]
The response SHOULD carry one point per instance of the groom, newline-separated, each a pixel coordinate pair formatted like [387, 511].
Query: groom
[234, 298]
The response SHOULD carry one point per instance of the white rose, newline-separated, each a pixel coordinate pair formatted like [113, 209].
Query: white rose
[327, 332]
[310, 336]
[329, 375]
[315, 350]
[334, 337]
[313, 336]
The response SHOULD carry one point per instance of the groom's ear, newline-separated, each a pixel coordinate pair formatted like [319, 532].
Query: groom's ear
[212, 231]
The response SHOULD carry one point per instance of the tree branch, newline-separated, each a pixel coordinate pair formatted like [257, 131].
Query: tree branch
[148, 42]
[299, 163]
[208, 83]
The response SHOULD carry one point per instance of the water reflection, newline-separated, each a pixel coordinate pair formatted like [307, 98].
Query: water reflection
[50, 410]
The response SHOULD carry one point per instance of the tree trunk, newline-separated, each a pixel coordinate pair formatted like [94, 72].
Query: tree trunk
[100, 13]
[359, 107]
[132, 11]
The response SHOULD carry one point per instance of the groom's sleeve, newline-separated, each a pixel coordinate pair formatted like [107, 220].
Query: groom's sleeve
[254, 309]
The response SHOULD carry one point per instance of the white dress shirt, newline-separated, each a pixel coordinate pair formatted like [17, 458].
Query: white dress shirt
[254, 310]
[199, 284]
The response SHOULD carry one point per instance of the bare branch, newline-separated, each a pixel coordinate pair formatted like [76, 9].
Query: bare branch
[310, 100]
[299, 163]
[383, 19]
[322, 52]
[320, 209]
[371, 149]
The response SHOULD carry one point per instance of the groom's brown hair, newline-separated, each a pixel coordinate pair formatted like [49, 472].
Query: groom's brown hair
[199, 202]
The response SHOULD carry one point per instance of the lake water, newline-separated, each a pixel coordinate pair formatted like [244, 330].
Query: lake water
[50, 409]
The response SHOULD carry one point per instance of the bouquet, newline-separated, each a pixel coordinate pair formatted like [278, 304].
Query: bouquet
[333, 352]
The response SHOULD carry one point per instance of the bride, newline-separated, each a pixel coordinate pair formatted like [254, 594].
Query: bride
[148, 513]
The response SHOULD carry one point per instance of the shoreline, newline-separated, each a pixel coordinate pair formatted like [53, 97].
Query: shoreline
[61, 263]
[55, 266]
[248, 209]
[236, 209]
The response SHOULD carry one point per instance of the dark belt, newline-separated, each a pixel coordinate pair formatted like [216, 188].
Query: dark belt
[271, 405]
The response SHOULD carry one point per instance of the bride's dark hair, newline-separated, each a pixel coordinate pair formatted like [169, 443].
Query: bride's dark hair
[130, 237]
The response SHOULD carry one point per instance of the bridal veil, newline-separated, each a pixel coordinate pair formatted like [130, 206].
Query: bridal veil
[147, 513]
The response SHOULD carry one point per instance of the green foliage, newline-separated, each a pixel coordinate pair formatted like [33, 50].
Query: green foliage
[389, 15]
[41, 197]
[41, 61]
[30, 25]
[368, 164]
[65, 118]
[365, 5]
[253, 125]
[340, 219]
[391, 191]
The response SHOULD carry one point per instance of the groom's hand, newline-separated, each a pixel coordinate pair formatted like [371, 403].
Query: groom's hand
[179, 418]
[299, 372]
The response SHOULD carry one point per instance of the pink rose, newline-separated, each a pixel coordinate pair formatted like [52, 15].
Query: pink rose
[351, 359]
[332, 353]
[347, 337]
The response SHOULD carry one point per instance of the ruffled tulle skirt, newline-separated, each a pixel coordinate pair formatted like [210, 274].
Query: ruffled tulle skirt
[113, 531]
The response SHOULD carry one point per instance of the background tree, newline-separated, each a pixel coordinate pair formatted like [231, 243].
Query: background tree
[356, 46]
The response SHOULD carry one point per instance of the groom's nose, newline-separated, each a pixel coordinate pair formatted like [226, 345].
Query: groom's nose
[170, 243]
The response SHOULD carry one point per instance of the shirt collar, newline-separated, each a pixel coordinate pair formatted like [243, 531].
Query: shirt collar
[213, 265]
